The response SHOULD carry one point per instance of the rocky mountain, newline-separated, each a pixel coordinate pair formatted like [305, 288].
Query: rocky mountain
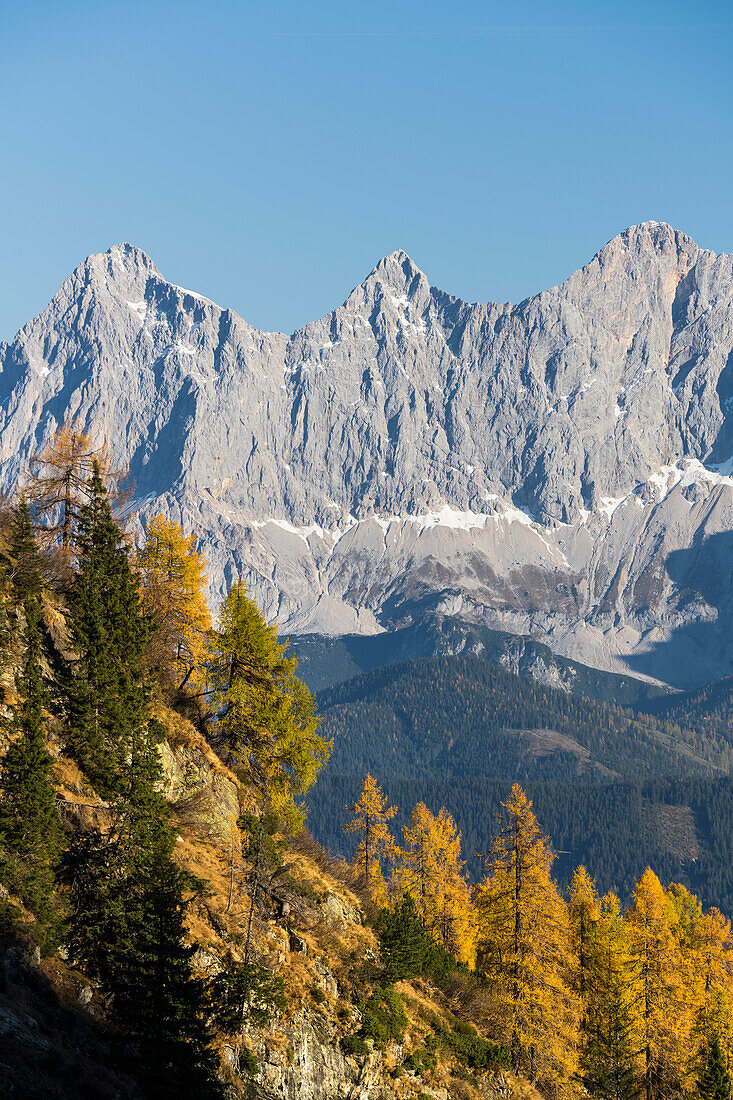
[558, 468]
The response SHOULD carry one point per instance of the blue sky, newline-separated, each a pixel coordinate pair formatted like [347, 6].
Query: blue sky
[268, 154]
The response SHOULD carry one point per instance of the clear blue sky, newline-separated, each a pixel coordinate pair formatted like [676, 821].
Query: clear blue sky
[268, 154]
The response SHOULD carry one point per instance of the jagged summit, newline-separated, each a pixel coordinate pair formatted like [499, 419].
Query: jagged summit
[125, 261]
[531, 466]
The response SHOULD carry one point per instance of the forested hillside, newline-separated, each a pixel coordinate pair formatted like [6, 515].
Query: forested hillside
[464, 716]
[324, 662]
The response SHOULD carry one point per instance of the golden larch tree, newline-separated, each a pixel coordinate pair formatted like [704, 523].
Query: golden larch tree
[430, 868]
[660, 1000]
[524, 949]
[707, 968]
[370, 816]
[263, 717]
[173, 576]
[57, 480]
[609, 1038]
[584, 911]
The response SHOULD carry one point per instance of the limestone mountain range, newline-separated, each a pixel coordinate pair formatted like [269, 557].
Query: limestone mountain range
[560, 468]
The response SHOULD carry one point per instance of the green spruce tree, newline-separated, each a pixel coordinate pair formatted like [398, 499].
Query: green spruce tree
[714, 1082]
[402, 939]
[107, 696]
[129, 896]
[30, 832]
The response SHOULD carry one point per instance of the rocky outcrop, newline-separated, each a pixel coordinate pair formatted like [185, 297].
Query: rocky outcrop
[556, 468]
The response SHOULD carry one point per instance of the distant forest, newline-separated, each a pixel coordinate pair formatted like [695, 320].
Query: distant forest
[616, 789]
[683, 828]
[459, 716]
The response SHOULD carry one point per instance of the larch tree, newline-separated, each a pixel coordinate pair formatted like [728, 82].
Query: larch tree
[264, 717]
[370, 817]
[524, 949]
[707, 967]
[715, 1016]
[660, 1002]
[57, 482]
[430, 868]
[173, 579]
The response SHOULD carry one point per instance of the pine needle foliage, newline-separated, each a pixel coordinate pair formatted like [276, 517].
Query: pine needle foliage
[31, 838]
[129, 896]
[714, 1081]
[106, 691]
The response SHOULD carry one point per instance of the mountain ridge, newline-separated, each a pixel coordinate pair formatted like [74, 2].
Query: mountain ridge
[556, 468]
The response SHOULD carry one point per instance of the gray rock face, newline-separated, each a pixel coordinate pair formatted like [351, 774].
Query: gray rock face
[554, 468]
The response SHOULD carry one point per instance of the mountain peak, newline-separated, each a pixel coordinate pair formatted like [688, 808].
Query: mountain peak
[655, 233]
[121, 264]
[396, 262]
[128, 256]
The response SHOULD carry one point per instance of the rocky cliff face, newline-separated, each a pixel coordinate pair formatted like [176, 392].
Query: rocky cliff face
[558, 468]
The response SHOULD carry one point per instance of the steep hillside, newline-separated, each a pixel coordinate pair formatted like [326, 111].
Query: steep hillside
[558, 468]
[309, 927]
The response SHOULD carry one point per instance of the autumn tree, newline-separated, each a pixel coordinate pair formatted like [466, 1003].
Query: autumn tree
[173, 578]
[524, 949]
[715, 965]
[370, 816]
[660, 1003]
[430, 868]
[706, 967]
[58, 478]
[264, 717]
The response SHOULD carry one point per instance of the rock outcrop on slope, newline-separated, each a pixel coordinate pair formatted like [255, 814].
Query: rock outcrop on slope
[557, 468]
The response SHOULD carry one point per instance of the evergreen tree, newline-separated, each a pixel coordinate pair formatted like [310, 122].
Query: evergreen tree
[106, 692]
[30, 831]
[26, 572]
[403, 941]
[129, 896]
[128, 922]
[713, 1082]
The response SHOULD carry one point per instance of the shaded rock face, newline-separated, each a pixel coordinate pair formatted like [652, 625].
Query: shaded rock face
[555, 468]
